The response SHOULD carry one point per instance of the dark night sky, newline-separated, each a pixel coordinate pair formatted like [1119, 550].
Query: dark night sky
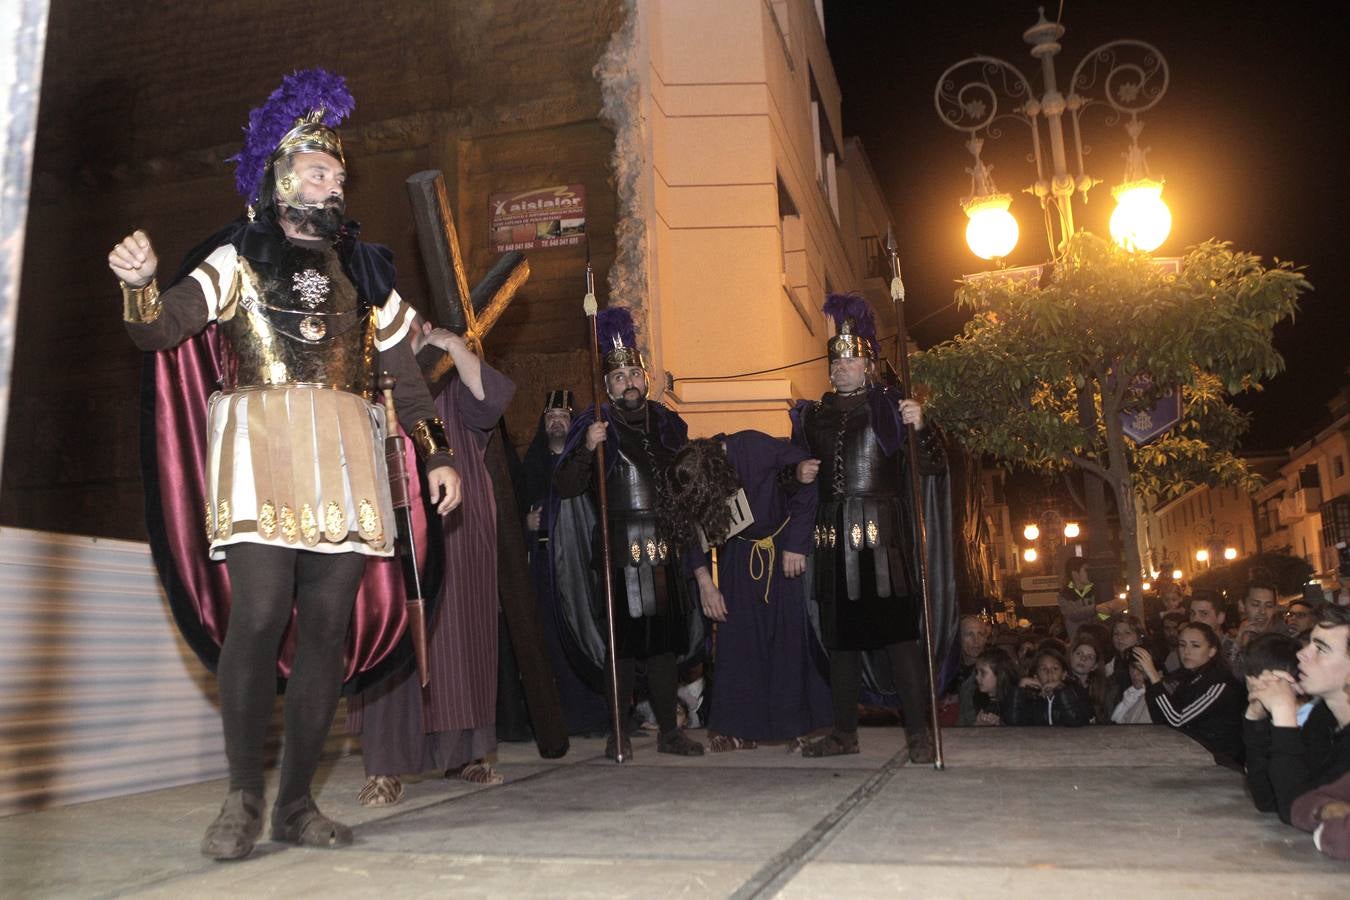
[1247, 137]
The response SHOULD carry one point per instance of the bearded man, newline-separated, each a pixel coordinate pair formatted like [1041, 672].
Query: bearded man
[303, 316]
[866, 576]
[653, 620]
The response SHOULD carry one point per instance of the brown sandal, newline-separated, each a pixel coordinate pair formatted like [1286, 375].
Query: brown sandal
[381, 790]
[836, 743]
[480, 773]
[725, 743]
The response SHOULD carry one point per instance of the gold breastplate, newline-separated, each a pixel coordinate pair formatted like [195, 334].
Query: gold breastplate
[301, 327]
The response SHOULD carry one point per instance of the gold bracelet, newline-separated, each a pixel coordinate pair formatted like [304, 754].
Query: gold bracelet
[429, 438]
[141, 305]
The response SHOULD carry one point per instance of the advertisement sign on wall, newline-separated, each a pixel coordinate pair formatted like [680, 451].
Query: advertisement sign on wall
[541, 217]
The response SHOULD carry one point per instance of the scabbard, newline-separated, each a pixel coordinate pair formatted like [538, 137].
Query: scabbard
[406, 544]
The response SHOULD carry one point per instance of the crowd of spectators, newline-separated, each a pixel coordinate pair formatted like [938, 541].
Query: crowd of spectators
[1264, 688]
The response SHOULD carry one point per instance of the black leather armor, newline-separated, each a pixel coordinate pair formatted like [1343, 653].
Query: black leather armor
[638, 545]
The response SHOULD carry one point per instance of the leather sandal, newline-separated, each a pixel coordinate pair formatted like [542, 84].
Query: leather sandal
[381, 790]
[300, 822]
[677, 743]
[725, 743]
[235, 831]
[479, 773]
[836, 743]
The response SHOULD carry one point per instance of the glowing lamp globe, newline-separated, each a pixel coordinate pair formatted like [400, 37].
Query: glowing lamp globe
[1230, 553]
[1071, 530]
[1176, 574]
[992, 231]
[1147, 585]
[1202, 556]
[1142, 220]
[1031, 532]
[1029, 554]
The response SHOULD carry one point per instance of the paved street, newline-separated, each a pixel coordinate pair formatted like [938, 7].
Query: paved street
[1099, 812]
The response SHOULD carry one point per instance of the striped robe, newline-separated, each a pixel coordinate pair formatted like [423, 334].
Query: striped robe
[403, 729]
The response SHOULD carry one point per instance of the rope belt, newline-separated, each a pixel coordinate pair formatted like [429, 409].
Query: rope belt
[762, 553]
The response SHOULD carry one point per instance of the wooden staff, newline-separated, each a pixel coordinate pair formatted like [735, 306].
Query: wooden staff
[916, 488]
[598, 384]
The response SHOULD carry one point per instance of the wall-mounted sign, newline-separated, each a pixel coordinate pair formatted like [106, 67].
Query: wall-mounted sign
[542, 217]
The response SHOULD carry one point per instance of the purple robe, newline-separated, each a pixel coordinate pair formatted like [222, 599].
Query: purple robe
[767, 684]
[403, 729]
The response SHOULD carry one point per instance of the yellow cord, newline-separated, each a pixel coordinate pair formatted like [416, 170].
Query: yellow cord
[762, 554]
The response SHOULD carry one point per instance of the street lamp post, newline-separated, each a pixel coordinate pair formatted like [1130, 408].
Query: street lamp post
[1052, 533]
[976, 94]
[1214, 543]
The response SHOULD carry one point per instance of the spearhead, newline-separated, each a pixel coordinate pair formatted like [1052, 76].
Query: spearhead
[897, 286]
[588, 302]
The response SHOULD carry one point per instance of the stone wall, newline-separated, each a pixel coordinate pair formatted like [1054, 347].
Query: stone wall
[142, 101]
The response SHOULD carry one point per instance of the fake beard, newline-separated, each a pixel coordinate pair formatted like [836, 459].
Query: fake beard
[320, 222]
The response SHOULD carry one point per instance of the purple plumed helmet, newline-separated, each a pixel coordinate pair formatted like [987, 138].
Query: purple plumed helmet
[855, 327]
[618, 339]
[299, 116]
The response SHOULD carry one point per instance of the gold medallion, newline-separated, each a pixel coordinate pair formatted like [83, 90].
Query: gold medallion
[312, 328]
[872, 533]
[309, 525]
[368, 524]
[855, 536]
[267, 519]
[651, 551]
[290, 530]
[334, 522]
[635, 549]
[224, 523]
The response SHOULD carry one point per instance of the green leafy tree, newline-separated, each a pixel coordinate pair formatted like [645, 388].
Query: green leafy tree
[1043, 371]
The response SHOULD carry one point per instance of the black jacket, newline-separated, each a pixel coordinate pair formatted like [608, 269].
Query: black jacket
[1283, 763]
[1070, 705]
[1207, 706]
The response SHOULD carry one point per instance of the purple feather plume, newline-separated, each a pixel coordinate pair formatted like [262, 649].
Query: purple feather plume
[300, 93]
[841, 307]
[614, 328]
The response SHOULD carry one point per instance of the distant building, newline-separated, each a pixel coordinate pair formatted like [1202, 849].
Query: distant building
[1305, 507]
[1302, 509]
[1200, 529]
[753, 204]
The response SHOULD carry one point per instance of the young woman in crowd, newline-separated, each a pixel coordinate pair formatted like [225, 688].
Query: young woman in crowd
[1203, 700]
[1130, 706]
[1085, 666]
[1127, 632]
[1051, 696]
[995, 681]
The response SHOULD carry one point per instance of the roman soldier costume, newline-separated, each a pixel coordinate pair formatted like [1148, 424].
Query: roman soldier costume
[865, 566]
[652, 596]
[269, 346]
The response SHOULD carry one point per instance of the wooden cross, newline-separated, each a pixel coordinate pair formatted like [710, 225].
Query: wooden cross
[472, 314]
[468, 313]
